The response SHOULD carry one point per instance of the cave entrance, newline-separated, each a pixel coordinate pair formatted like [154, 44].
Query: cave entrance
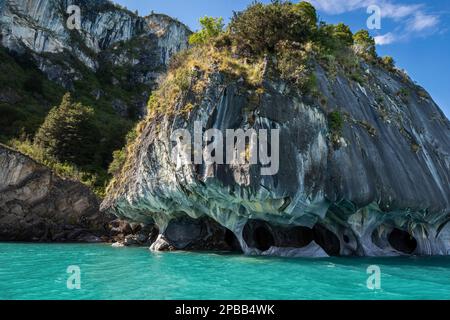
[263, 238]
[232, 241]
[327, 240]
[402, 241]
[262, 235]
[303, 236]
[257, 234]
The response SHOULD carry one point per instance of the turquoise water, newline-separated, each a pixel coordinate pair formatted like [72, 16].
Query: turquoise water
[38, 271]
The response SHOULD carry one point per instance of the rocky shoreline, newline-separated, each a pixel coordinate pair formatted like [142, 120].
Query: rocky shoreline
[38, 206]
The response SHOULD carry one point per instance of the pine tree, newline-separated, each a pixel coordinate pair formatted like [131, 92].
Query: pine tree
[68, 133]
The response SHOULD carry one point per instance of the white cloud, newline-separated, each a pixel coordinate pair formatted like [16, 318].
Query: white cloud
[385, 39]
[422, 21]
[395, 11]
[388, 9]
[412, 18]
[339, 6]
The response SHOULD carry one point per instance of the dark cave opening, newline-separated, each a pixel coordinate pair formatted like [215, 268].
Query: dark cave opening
[402, 241]
[261, 235]
[304, 236]
[231, 241]
[327, 240]
[263, 238]
[346, 238]
[257, 234]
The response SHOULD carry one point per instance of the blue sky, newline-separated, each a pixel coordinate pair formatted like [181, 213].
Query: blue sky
[415, 32]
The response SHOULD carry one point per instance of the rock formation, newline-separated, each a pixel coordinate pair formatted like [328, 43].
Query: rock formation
[380, 187]
[109, 37]
[376, 184]
[37, 205]
[114, 49]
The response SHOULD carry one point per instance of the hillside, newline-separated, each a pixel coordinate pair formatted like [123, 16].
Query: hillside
[111, 64]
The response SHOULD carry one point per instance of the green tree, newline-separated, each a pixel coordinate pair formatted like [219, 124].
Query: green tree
[211, 28]
[334, 37]
[69, 134]
[364, 44]
[307, 12]
[343, 34]
[388, 62]
[260, 28]
[335, 122]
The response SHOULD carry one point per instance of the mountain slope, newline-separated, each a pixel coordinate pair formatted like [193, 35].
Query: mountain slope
[112, 64]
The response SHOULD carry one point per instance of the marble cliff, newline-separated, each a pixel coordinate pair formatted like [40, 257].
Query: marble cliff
[380, 187]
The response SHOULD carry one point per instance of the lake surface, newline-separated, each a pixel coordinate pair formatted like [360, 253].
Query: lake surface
[39, 271]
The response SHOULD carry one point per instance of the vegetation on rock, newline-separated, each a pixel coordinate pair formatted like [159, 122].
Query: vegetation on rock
[388, 62]
[282, 36]
[27, 98]
[84, 137]
[259, 29]
[211, 28]
[336, 124]
[285, 35]
[365, 44]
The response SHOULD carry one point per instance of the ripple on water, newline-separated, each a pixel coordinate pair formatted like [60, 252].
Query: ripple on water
[38, 271]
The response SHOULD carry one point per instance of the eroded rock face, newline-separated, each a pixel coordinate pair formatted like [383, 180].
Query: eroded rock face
[109, 36]
[186, 233]
[381, 188]
[123, 233]
[36, 205]
[41, 26]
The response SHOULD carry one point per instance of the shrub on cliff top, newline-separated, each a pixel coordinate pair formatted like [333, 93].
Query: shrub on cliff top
[343, 34]
[365, 44]
[290, 32]
[388, 62]
[259, 28]
[211, 28]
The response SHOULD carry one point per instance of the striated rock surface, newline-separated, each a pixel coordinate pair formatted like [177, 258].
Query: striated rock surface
[380, 187]
[41, 26]
[37, 205]
[109, 36]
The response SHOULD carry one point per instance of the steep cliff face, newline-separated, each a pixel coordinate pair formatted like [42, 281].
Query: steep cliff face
[378, 186]
[108, 35]
[37, 205]
[111, 63]
[41, 26]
